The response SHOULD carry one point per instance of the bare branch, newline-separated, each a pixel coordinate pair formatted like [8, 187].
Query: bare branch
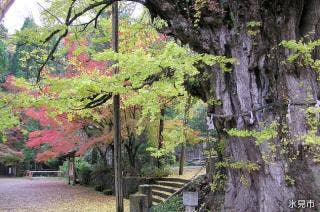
[90, 7]
[50, 13]
[51, 35]
[53, 50]
[95, 19]
[101, 100]
[70, 11]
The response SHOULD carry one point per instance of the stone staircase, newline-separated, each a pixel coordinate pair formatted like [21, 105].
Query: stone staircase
[163, 188]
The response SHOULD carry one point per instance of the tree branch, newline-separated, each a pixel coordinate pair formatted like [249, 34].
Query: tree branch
[70, 11]
[105, 97]
[69, 21]
[50, 55]
[49, 12]
[97, 102]
[95, 19]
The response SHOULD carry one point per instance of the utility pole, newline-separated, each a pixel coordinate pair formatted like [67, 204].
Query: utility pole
[116, 115]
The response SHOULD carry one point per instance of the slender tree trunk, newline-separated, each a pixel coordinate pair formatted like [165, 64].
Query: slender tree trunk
[94, 155]
[72, 167]
[116, 114]
[69, 177]
[132, 151]
[131, 155]
[113, 158]
[160, 133]
[182, 158]
[183, 145]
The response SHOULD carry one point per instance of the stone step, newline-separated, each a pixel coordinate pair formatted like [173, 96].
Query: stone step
[161, 194]
[163, 188]
[156, 200]
[170, 184]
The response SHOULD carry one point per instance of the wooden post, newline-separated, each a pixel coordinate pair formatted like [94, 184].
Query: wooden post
[138, 203]
[116, 115]
[146, 190]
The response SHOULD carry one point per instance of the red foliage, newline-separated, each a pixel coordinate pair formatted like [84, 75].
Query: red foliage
[19, 154]
[41, 115]
[60, 136]
[36, 138]
[82, 61]
[161, 37]
[9, 85]
[46, 155]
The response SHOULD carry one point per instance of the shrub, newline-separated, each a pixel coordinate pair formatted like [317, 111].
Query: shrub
[107, 192]
[101, 176]
[53, 163]
[10, 159]
[173, 204]
[64, 168]
[98, 187]
[84, 170]
[152, 171]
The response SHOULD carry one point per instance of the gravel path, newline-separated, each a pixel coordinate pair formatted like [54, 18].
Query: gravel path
[25, 195]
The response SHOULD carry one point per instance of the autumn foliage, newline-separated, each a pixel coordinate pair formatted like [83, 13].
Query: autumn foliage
[62, 121]
[58, 135]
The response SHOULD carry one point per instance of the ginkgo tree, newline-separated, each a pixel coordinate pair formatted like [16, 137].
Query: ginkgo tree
[152, 67]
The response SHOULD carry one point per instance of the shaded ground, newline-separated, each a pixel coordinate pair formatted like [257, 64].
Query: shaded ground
[21, 194]
[49, 194]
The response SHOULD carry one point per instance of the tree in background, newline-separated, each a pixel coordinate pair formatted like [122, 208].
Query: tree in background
[17, 67]
[4, 56]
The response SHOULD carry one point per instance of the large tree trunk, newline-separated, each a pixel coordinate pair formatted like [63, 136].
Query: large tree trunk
[4, 7]
[259, 79]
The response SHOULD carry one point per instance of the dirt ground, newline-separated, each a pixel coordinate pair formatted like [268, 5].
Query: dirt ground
[190, 172]
[55, 195]
[25, 195]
